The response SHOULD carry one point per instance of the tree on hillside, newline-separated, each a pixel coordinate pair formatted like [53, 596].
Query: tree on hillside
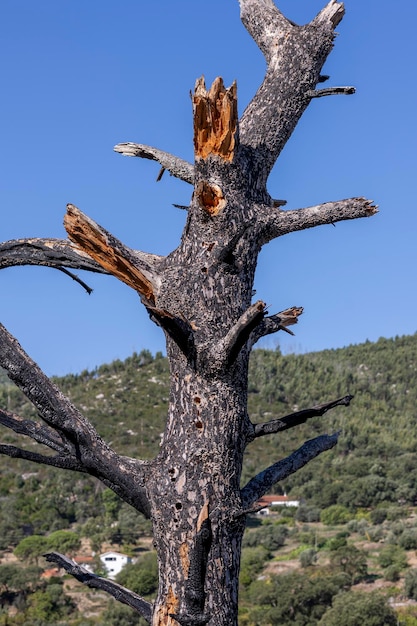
[201, 296]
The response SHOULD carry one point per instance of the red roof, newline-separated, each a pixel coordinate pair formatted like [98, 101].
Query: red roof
[271, 499]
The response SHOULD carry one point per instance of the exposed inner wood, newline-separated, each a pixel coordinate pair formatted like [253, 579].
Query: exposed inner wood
[210, 197]
[106, 250]
[215, 119]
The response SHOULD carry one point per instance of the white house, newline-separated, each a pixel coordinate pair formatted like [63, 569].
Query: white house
[114, 562]
[267, 501]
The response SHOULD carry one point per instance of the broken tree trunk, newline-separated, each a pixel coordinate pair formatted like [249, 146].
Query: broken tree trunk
[201, 296]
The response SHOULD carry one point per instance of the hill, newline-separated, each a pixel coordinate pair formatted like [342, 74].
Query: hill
[375, 460]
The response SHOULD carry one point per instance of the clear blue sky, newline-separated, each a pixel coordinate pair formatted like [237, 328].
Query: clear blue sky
[79, 77]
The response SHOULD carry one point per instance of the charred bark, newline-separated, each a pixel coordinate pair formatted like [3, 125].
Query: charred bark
[201, 297]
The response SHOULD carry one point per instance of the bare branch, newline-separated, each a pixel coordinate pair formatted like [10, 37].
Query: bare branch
[266, 124]
[276, 223]
[64, 461]
[177, 167]
[38, 432]
[274, 323]
[77, 279]
[82, 447]
[260, 484]
[331, 91]
[55, 253]
[97, 582]
[297, 418]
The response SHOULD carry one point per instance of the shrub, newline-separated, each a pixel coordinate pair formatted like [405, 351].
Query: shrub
[271, 537]
[408, 539]
[392, 573]
[141, 577]
[410, 584]
[378, 516]
[359, 607]
[307, 513]
[392, 555]
[335, 514]
[308, 557]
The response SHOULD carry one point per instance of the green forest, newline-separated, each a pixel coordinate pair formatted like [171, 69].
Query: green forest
[349, 549]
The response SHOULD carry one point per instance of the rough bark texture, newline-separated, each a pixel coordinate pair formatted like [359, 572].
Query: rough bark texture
[201, 296]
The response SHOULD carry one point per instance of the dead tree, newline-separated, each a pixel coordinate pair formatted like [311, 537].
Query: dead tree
[201, 297]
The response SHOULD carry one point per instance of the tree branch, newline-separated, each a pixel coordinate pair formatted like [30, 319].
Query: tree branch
[271, 116]
[38, 432]
[111, 254]
[82, 447]
[263, 20]
[62, 461]
[177, 167]
[273, 224]
[274, 323]
[331, 91]
[55, 253]
[260, 484]
[297, 418]
[96, 582]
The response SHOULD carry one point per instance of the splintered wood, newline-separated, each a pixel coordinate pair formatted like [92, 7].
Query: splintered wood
[215, 119]
[110, 253]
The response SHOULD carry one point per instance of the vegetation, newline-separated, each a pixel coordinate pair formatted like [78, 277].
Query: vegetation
[332, 543]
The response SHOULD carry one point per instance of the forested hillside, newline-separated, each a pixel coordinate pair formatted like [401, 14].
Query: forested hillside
[375, 460]
[371, 477]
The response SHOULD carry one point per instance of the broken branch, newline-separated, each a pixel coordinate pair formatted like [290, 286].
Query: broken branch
[177, 167]
[96, 582]
[215, 119]
[274, 323]
[297, 418]
[116, 258]
[260, 484]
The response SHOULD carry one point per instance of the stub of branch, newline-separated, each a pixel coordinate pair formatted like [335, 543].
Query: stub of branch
[260, 484]
[178, 329]
[299, 417]
[109, 252]
[274, 323]
[215, 119]
[331, 91]
[96, 582]
[237, 336]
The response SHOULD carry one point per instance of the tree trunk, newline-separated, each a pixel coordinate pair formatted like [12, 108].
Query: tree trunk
[201, 296]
